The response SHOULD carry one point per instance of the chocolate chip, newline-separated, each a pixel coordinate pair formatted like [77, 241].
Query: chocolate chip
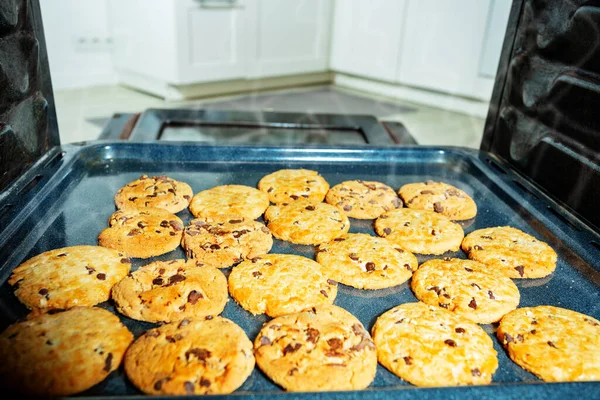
[473, 303]
[256, 274]
[477, 247]
[520, 338]
[436, 289]
[370, 266]
[469, 270]
[208, 317]
[426, 192]
[331, 282]
[407, 360]
[551, 344]
[358, 330]
[396, 202]
[533, 331]
[593, 323]
[125, 260]
[101, 276]
[189, 387]
[294, 197]
[305, 196]
[437, 207]
[176, 278]
[407, 224]
[459, 330]
[184, 322]
[335, 343]
[204, 382]
[158, 384]
[200, 354]
[433, 232]
[476, 286]
[372, 202]
[132, 198]
[172, 339]
[384, 216]
[339, 239]
[157, 281]
[176, 225]
[187, 197]
[443, 305]
[487, 237]
[399, 321]
[387, 231]
[347, 208]
[171, 190]
[520, 269]
[508, 338]
[43, 291]
[292, 371]
[108, 362]
[269, 190]
[62, 255]
[475, 372]
[215, 247]
[310, 208]
[534, 322]
[264, 341]
[141, 225]
[194, 296]
[324, 293]
[134, 232]
[56, 311]
[313, 335]
[491, 294]
[450, 342]
[291, 348]
[90, 270]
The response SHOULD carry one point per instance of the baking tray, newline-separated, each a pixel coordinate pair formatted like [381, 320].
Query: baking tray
[67, 197]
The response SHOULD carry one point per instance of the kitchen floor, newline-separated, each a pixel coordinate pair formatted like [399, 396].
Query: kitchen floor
[83, 112]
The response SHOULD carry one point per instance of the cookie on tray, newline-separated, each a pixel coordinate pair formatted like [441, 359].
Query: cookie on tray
[439, 197]
[224, 240]
[554, 343]
[366, 262]
[303, 222]
[430, 346]
[466, 288]
[166, 291]
[363, 199]
[419, 231]
[320, 349]
[277, 284]
[154, 191]
[192, 356]
[62, 353]
[287, 185]
[230, 199]
[142, 232]
[510, 252]
[69, 277]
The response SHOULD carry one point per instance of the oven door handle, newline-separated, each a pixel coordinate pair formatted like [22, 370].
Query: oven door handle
[220, 4]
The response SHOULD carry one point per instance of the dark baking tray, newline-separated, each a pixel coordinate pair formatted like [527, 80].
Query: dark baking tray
[67, 197]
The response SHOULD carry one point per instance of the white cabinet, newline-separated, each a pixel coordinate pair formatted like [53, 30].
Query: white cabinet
[442, 45]
[494, 37]
[367, 37]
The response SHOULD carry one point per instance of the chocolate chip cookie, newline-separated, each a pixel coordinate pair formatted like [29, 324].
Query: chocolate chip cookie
[230, 199]
[363, 199]
[510, 252]
[320, 349]
[142, 232]
[366, 262]
[303, 222]
[278, 284]
[224, 240]
[439, 197]
[171, 290]
[60, 354]
[466, 288]
[430, 346]
[192, 356]
[287, 185]
[154, 191]
[69, 277]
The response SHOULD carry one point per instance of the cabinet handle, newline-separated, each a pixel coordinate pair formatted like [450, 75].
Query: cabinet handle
[219, 4]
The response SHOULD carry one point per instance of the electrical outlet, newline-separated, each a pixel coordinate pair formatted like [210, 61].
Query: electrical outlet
[93, 43]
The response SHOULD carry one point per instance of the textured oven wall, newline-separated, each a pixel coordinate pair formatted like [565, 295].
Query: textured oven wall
[27, 118]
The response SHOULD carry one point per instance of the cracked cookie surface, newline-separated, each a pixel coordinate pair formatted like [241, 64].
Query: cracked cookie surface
[59, 354]
[439, 197]
[429, 346]
[154, 191]
[192, 356]
[277, 284]
[366, 262]
[363, 199]
[230, 199]
[287, 185]
[320, 349]
[69, 277]
[170, 291]
[224, 240]
[142, 232]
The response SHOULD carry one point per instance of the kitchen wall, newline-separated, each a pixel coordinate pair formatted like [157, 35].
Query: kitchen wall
[78, 41]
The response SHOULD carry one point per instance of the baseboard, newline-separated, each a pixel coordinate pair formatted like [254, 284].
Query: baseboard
[444, 101]
[239, 86]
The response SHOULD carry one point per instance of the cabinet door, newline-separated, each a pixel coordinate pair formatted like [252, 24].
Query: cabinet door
[442, 45]
[292, 36]
[366, 37]
[494, 38]
[211, 40]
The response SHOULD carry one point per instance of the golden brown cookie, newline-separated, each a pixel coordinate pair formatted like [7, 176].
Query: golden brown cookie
[555, 344]
[466, 288]
[142, 232]
[439, 197]
[154, 191]
[322, 348]
[510, 252]
[278, 284]
[171, 290]
[224, 240]
[303, 222]
[429, 346]
[59, 354]
[363, 199]
[422, 232]
[230, 199]
[193, 356]
[69, 277]
[287, 185]
[366, 262]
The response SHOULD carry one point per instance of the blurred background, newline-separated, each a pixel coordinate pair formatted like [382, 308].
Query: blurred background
[429, 64]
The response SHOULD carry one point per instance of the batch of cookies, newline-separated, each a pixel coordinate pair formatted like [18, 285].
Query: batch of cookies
[67, 345]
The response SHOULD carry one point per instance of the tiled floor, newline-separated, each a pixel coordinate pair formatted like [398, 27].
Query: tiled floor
[429, 126]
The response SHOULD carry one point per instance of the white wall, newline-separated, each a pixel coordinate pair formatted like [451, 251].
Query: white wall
[72, 64]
